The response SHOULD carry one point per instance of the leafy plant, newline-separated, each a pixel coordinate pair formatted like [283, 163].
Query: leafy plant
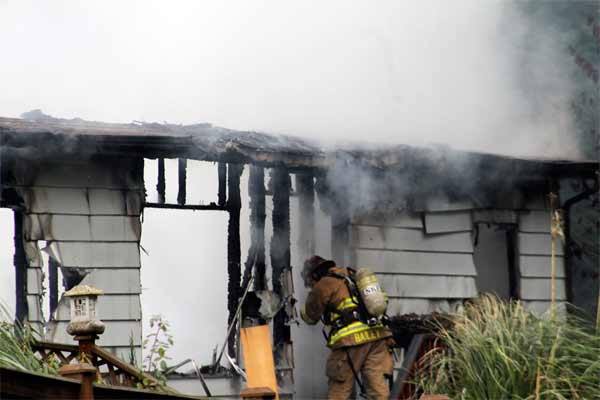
[131, 355]
[499, 350]
[156, 344]
[16, 349]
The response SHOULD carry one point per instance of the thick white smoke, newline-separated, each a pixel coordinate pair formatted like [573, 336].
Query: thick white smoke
[388, 71]
[383, 72]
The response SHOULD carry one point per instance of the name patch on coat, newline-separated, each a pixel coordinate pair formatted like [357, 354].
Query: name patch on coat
[366, 336]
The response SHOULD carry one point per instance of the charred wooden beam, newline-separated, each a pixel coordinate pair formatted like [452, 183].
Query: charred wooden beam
[234, 204]
[20, 263]
[222, 171]
[280, 248]
[161, 186]
[53, 283]
[256, 190]
[305, 187]
[182, 173]
[194, 207]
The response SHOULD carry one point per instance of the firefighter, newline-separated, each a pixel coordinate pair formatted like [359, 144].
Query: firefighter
[356, 347]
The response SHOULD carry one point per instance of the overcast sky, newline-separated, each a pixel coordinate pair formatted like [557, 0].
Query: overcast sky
[393, 71]
[385, 71]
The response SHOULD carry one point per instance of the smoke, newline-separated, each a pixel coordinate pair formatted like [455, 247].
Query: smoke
[469, 74]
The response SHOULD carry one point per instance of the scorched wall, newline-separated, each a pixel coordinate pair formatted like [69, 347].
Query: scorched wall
[88, 213]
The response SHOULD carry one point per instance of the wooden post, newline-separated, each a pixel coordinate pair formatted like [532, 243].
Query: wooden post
[83, 372]
[182, 173]
[280, 244]
[222, 177]
[20, 263]
[234, 204]
[281, 273]
[161, 185]
[256, 189]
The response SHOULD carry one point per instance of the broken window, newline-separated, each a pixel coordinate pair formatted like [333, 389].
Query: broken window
[184, 256]
[493, 259]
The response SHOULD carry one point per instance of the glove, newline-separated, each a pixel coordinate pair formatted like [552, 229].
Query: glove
[305, 317]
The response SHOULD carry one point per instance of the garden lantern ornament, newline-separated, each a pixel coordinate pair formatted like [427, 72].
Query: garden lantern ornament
[84, 321]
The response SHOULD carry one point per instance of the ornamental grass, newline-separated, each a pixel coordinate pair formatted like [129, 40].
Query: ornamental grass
[16, 347]
[499, 350]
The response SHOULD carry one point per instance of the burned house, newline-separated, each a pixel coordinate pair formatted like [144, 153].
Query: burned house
[438, 226]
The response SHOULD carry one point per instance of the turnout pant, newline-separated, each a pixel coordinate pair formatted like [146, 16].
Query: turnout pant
[372, 361]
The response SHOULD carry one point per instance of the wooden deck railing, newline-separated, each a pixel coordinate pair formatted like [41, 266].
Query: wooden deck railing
[116, 371]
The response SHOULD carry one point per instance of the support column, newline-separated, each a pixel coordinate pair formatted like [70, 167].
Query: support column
[256, 190]
[161, 186]
[182, 173]
[20, 263]
[234, 205]
[305, 186]
[282, 275]
[222, 196]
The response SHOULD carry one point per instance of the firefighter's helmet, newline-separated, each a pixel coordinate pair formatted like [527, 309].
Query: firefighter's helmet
[312, 265]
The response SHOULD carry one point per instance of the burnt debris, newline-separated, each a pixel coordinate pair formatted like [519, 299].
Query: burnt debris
[161, 185]
[256, 189]
[280, 244]
[233, 244]
[182, 174]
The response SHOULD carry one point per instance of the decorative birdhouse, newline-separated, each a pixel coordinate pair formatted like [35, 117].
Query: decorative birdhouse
[83, 311]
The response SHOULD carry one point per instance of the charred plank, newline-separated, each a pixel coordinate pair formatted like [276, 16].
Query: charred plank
[256, 189]
[182, 173]
[20, 263]
[280, 247]
[194, 207]
[234, 204]
[160, 186]
[222, 172]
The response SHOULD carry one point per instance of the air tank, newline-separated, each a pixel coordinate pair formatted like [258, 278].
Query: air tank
[371, 293]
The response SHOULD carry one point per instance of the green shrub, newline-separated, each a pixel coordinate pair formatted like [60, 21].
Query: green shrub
[16, 347]
[499, 350]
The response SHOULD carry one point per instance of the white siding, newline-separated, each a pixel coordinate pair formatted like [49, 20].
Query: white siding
[423, 267]
[89, 211]
[535, 221]
[540, 266]
[397, 221]
[399, 306]
[96, 254]
[431, 287]
[540, 289]
[386, 238]
[82, 201]
[114, 228]
[402, 262]
[534, 257]
[445, 222]
[538, 244]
